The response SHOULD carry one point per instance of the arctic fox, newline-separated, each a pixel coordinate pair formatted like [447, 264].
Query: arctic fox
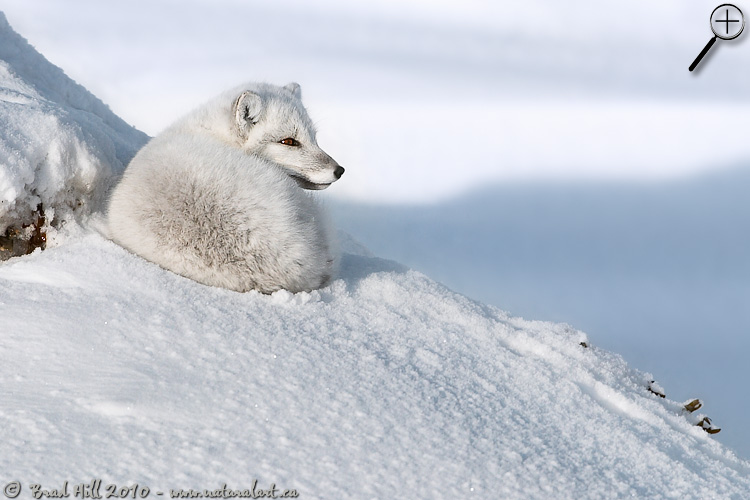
[218, 196]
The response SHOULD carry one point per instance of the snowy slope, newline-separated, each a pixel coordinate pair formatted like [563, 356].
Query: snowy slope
[655, 272]
[59, 145]
[385, 383]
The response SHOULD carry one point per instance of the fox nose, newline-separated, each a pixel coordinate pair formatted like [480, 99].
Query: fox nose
[338, 172]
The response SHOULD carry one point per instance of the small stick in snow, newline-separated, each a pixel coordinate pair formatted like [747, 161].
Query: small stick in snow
[654, 388]
[706, 425]
[693, 405]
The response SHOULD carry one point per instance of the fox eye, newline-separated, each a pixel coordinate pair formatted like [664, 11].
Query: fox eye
[289, 142]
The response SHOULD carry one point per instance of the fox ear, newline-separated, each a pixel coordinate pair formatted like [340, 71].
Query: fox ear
[247, 110]
[295, 89]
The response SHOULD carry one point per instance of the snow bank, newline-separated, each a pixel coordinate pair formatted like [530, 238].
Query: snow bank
[59, 145]
[383, 384]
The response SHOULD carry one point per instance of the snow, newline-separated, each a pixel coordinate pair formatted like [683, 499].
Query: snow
[655, 272]
[59, 145]
[383, 383]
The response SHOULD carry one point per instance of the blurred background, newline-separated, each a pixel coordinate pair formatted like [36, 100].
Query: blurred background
[554, 159]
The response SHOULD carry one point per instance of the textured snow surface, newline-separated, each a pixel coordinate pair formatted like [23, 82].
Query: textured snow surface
[59, 145]
[383, 382]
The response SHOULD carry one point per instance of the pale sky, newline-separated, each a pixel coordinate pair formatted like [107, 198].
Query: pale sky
[424, 100]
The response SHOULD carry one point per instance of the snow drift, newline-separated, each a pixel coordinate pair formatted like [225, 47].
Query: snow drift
[383, 384]
[60, 146]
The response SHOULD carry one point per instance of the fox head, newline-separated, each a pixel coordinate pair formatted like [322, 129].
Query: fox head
[271, 122]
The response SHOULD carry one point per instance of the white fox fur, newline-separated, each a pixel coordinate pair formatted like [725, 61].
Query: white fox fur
[218, 196]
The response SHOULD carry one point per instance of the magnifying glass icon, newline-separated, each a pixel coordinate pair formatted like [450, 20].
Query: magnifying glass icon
[727, 23]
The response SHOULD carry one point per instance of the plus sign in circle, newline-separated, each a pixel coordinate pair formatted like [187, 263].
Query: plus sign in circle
[727, 21]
